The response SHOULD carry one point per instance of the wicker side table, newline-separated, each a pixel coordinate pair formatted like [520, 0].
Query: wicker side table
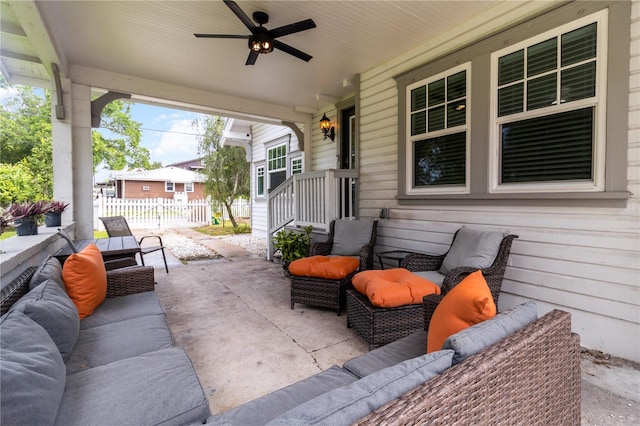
[379, 326]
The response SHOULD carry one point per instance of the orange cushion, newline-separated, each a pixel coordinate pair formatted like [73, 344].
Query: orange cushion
[85, 279]
[334, 267]
[393, 287]
[468, 303]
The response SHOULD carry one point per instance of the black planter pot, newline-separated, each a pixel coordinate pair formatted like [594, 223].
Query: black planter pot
[28, 226]
[52, 219]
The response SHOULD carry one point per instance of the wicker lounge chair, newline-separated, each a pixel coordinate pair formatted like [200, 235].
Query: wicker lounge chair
[379, 326]
[330, 293]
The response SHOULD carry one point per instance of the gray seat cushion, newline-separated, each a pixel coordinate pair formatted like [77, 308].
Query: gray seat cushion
[119, 340]
[32, 375]
[434, 276]
[49, 305]
[345, 405]
[408, 347]
[49, 270]
[123, 308]
[472, 247]
[350, 235]
[480, 336]
[158, 388]
[264, 409]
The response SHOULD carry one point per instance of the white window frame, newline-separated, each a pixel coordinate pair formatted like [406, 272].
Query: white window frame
[169, 187]
[295, 169]
[411, 139]
[598, 101]
[260, 167]
[188, 186]
[268, 171]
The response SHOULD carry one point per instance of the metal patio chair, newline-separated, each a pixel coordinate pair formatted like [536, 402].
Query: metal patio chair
[117, 226]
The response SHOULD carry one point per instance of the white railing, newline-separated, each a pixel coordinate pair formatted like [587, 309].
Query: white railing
[162, 213]
[314, 199]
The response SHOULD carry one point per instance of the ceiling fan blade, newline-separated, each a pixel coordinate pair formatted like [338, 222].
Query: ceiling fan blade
[251, 59]
[291, 50]
[221, 36]
[292, 28]
[240, 14]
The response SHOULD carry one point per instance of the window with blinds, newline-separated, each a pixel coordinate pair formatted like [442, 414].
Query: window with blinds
[438, 129]
[547, 108]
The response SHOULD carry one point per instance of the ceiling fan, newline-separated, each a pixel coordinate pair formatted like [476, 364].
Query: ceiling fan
[262, 40]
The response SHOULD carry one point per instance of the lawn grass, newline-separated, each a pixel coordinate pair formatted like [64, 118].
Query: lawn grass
[227, 229]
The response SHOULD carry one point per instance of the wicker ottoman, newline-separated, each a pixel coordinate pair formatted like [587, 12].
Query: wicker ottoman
[379, 326]
[319, 292]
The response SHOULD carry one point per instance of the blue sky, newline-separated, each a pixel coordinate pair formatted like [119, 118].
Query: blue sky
[167, 133]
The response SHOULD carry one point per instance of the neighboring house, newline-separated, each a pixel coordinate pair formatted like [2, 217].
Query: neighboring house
[167, 182]
[194, 165]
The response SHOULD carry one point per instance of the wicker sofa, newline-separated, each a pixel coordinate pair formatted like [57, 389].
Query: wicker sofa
[117, 366]
[513, 368]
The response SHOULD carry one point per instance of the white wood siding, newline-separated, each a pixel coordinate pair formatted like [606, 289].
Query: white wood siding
[585, 260]
[261, 135]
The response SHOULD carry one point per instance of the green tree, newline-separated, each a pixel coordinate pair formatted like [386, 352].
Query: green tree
[225, 167]
[26, 140]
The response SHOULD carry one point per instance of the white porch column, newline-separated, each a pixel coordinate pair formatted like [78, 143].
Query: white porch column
[82, 160]
[61, 131]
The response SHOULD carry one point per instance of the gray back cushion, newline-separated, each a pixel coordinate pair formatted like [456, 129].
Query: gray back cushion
[49, 306]
[350, 235]
[49, 270]
[32, 374]
[472, 247]
[434, 276]
[408, 347]
[480, 336]
[349, 403]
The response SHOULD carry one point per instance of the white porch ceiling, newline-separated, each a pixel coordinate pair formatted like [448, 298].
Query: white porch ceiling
[153, 40]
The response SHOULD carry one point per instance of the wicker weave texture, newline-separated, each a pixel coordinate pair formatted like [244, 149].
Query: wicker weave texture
[319, 292]
[379, 326]
[134, 279]
[16, 289]
[531, 377]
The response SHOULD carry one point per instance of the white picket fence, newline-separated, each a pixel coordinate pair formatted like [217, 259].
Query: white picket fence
[162, 213]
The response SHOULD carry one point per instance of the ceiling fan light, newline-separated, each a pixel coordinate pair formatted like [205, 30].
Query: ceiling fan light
[260, 44]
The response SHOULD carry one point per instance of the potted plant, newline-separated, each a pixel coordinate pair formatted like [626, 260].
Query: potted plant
[25, 216]
[53, 215]
[293, 244]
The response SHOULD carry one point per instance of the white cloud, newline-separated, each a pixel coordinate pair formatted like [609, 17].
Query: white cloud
[177, 143]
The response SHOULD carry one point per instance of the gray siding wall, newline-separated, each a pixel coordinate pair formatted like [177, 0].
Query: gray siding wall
[582, 259]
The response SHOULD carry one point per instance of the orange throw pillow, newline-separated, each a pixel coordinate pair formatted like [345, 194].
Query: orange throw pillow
[85, 279]
[393, 287]
[468, 303]
[333, 268]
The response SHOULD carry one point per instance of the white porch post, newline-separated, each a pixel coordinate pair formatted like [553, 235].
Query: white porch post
[61, 131]
[82, 160]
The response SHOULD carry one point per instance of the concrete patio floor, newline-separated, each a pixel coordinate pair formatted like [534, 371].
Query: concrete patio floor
[232, 315]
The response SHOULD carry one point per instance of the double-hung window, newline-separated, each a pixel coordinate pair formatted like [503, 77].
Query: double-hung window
[169, 187]
[548, 110]
[277, 165]
[438, 124]
[296, 165]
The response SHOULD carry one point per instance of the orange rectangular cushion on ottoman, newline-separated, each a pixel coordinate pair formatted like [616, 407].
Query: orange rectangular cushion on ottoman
[468, 303]
[330, 267]
[85, 279]
[393, 287]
